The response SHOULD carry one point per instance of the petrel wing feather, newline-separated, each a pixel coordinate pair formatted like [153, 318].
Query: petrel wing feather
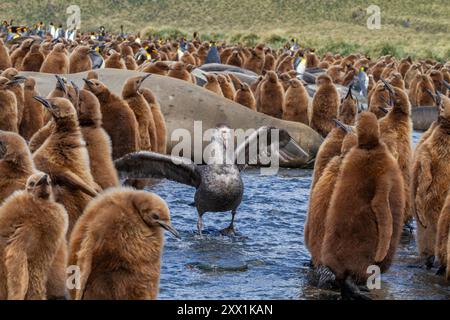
[265, 140]
[147, 164]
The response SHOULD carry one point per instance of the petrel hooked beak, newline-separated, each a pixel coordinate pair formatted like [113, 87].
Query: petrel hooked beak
[343, 126]
[169, 228]
[43, 101]
[61, 84]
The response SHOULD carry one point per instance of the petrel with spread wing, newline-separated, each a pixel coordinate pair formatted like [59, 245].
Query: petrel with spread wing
[219, 184]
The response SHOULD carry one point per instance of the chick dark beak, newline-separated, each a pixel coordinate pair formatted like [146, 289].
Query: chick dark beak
[88, 82]
[61, 84]
[43, 180]
[431, 94]
[16, 80]
[349, 93]
[141, 81]
[2, 150]
[43, 101]
[168, 227]
[342, 125]
[75, 87]
[384, 110]
[20, 78]
[388, 86]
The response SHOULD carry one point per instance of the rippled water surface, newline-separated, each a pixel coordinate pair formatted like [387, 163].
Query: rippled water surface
[267, 259]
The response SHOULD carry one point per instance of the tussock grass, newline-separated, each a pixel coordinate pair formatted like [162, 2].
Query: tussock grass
[409, 27]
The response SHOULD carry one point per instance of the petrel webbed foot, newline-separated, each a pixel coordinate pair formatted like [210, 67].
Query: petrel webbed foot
[228, 231]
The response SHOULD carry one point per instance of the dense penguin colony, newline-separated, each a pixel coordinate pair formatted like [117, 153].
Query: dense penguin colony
[73, 164]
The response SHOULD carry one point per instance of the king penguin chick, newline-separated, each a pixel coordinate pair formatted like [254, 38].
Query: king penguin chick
[431, 181]
[245, 97]
[256, 60]
[33, 112]
[33, 228]
[359, 225]
[61, 90]
[33, 60]
[159, 67]
[65, 158]
[332, 144]
[271, 96]
[160, 122]
[226, 87]
[5, 59]
[98, 143]
[119, 120]
[325, 106]
[378, 100]
[320, 200]
[15, 86]
[296, 102]
[57, 61]
[135, 100]
[8, 107]
[115, 61]
[128, 57]
[80, 60]
[396, 133]
[212, 84]
[180, 71]
[20, 53]
[118, 244]
[16, 164]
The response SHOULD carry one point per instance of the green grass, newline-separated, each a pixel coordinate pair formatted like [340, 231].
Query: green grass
[327, 25]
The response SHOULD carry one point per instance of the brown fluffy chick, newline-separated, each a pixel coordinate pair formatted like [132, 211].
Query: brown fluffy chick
[33, 228]
[118, 244]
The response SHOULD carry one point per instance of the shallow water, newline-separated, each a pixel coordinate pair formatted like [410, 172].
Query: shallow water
[267, 258]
